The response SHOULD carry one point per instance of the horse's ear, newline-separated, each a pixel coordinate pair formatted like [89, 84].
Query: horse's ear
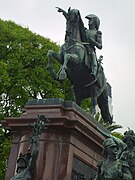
[79, 14]
[69, 9]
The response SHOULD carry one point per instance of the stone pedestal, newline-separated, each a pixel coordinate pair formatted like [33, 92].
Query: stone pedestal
[70, 145]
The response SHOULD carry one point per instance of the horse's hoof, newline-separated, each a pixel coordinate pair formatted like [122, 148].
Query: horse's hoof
[65, 67]
[62, 76]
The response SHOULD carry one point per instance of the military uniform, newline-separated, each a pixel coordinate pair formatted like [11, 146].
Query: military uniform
[129, 154]
[23, 175]
[113, 168]
[116, 170]
[96, 36]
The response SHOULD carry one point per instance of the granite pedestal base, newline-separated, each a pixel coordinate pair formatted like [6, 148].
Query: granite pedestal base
[70, 146]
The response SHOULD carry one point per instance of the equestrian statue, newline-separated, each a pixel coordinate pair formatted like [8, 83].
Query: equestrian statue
[79, 62]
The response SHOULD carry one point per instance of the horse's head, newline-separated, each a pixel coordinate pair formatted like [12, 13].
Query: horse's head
[73, 21]
[73, 15]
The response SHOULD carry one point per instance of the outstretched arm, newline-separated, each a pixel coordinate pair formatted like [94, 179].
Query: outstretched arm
[34, 153]
[34, 141]
[64, 12]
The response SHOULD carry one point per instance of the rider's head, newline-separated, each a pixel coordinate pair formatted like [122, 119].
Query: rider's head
[93, 20]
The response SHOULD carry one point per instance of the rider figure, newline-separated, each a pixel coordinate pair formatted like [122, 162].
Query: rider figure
[94, 38]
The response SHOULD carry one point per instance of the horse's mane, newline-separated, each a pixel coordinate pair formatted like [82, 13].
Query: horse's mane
[81, 24]
[82, 29]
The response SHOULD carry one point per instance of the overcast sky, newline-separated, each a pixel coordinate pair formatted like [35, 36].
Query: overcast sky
[118, 29]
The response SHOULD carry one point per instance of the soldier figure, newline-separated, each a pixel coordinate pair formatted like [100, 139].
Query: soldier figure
[113, 168]
[26, 163]
[129, 154]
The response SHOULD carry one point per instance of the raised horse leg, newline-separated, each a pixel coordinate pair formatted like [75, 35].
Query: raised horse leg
[56, 56]
[67, 57]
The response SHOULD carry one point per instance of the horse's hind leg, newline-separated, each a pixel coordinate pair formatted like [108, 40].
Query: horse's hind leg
[77, 100]
[93, 106]
[103, 105]
[77, 96]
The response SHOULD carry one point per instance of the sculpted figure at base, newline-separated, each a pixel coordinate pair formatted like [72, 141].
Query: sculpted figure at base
[129, 154]
[26, 163]
[79, 62]
[113, 168]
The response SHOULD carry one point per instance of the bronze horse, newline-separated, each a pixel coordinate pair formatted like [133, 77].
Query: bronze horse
[71, 56]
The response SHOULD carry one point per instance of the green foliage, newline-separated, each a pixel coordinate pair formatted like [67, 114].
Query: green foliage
[5, 144]
[23, 69]
[86, 105]
[118, 135]
[111, 127]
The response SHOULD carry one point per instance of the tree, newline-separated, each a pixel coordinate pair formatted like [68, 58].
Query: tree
[5, 144]
[23, 68]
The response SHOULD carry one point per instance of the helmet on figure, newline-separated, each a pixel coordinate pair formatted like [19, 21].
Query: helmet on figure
[95, 18]
[109, 142]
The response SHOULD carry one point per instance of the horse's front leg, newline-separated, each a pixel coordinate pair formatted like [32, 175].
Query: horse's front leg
[63, 74]
[67, 58]
[56, 56]
[71, 57]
